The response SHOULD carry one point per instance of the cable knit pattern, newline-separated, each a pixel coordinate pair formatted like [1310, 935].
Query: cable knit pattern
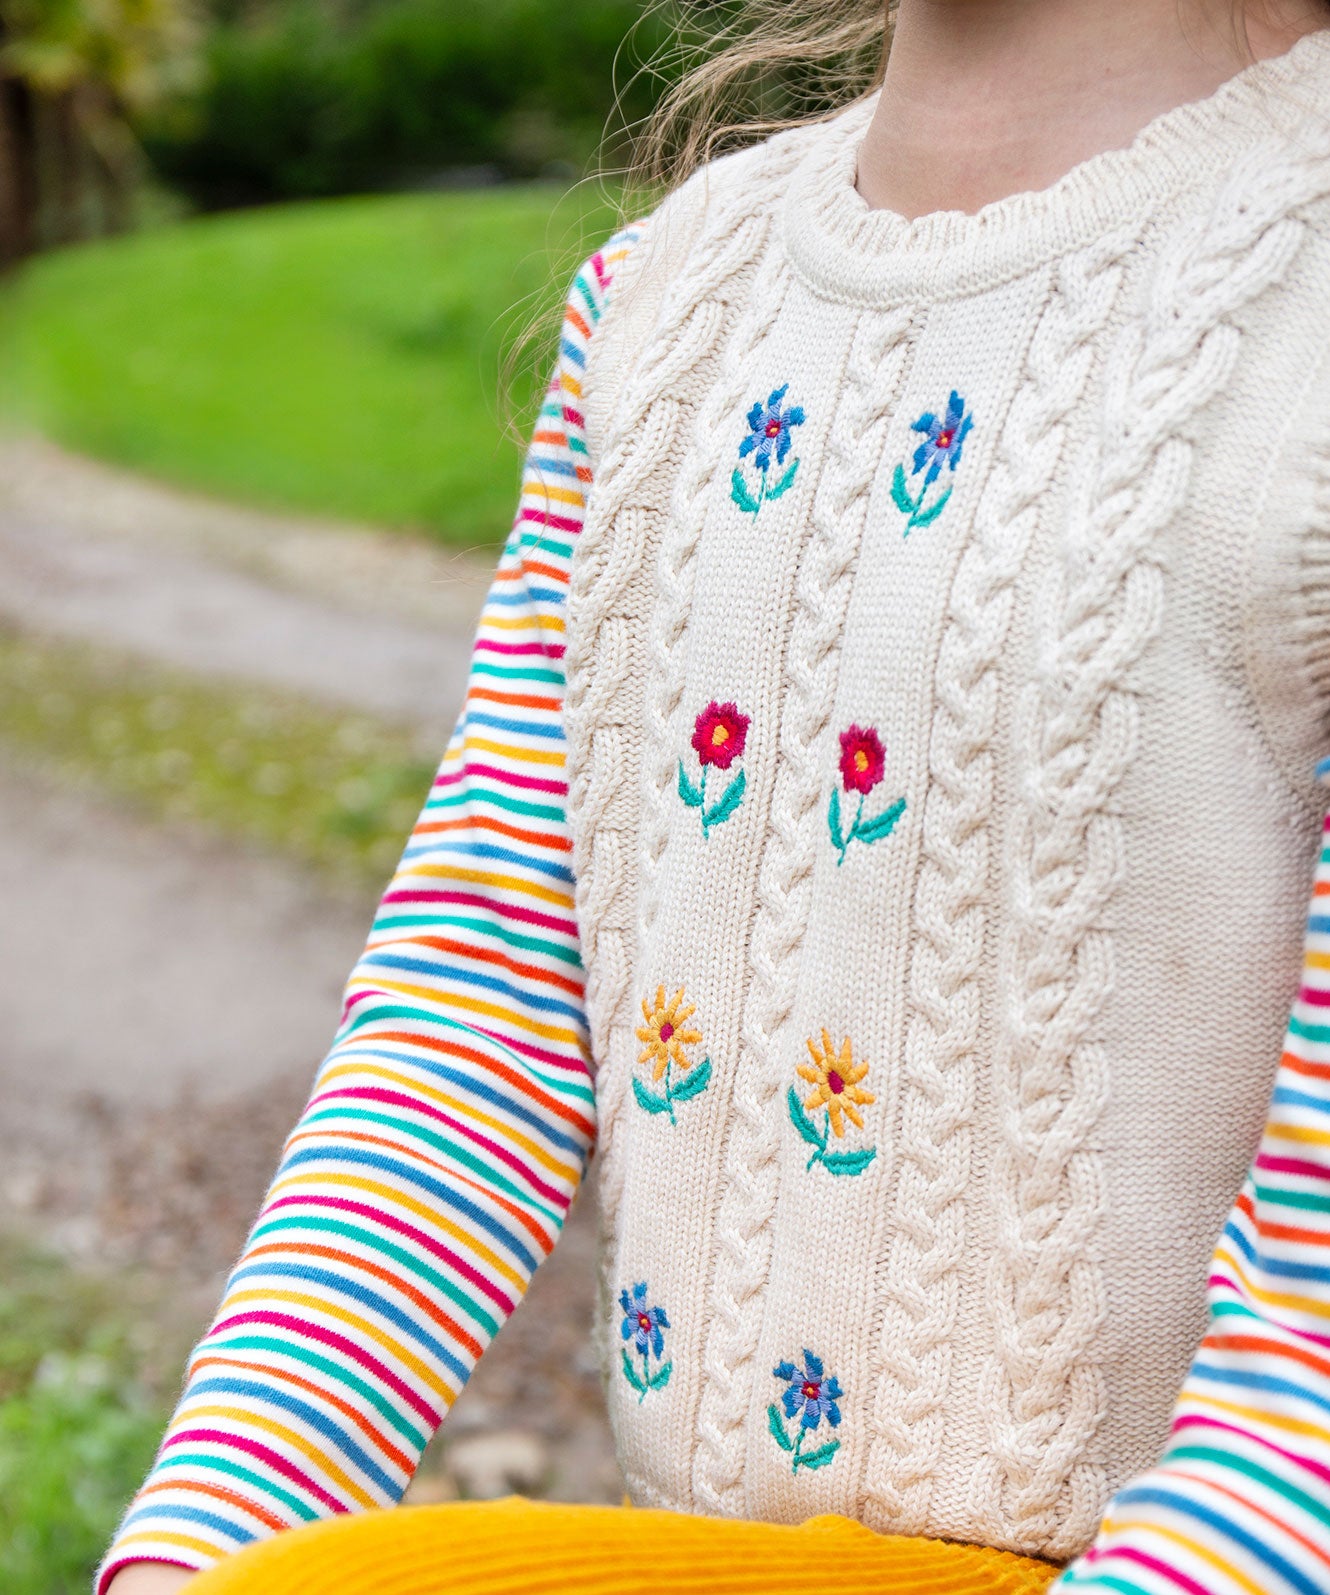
[822, 595]
[604, 660]
[676, 567]
[1044, 1485]
[615, 543]
[956, 1290]
[928, 1232]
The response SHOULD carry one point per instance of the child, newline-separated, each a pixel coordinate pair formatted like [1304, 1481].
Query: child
[924, 562]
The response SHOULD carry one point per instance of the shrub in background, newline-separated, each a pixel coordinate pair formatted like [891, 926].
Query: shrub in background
[302, 100]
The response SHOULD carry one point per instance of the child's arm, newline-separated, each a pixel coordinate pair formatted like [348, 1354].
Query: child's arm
[450, 1124]
[1241, 1499]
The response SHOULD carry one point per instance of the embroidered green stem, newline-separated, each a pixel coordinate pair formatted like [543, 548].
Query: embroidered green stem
[841, 1163]
[794, 1449]
[645, 1382]
[870, 831]
[695, 1081]
[742, 495]
[915, 510]
[696, 798]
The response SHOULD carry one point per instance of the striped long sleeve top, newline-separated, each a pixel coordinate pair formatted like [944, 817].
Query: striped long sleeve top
[450, 1124]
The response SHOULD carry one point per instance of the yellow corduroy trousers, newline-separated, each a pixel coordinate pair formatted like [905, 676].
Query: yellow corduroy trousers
[519, 1547]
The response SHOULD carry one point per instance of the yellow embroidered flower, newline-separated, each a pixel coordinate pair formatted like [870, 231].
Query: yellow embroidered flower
[666, 1033]
[837, 1077]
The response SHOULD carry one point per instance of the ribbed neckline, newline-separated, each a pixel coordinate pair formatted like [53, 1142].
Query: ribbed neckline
[846, 250]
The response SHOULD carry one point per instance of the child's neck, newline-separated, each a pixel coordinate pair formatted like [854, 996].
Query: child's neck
[986, 98]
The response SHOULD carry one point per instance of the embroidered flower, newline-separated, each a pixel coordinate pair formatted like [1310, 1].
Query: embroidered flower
[720, 735]
[666, 1035]
[809, 1396]
[769, 427]
[944, 441]
[863, 762]
[811, 1390]
[644, 1325]
[836, 1077]
[945, 438]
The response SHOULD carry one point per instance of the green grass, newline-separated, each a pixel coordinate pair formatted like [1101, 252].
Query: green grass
[338, 791]
[341, 357]
[81, 1412]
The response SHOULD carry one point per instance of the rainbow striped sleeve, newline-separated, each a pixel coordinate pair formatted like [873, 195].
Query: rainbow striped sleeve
[1241, 1498]
[450, 1124]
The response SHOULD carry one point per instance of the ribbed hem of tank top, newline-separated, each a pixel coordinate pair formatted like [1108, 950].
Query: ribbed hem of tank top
[1313, 622]
[846, 250]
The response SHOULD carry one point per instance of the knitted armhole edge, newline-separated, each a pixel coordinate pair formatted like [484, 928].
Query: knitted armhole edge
[1040, 1489]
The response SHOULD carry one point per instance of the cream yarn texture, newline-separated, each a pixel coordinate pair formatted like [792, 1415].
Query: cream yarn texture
[984, 1076]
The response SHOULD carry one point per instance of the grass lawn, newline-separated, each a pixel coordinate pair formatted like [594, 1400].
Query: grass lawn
[335, 790]
[341, 358]
[82, 1405]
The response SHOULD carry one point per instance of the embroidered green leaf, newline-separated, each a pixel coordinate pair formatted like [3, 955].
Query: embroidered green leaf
[648, 1099]
[687, 791]
[820, 1457]
[694, 1082]
[849, 1162]
[631, 1375]
[728, 801]
[875, 830]
[777, 1428]
[785, 482]
[928, 516]
[805, 1126]
[661, 1377]
[833, 821]
[900, 493]
[741, 496]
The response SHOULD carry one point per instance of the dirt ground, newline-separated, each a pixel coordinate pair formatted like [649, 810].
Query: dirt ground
[170, 995]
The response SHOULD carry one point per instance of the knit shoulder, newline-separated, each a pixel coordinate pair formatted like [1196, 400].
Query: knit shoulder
[676, 239]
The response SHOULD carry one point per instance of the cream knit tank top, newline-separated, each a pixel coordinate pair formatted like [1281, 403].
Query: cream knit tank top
[949, 648]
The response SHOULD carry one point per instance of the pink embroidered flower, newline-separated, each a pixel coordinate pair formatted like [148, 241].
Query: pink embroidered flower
[863, 759]
[720, 734]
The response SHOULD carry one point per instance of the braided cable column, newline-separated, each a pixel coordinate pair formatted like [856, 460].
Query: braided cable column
[812, 663]
[676, 567]
[602, 706]
[927, 1226]
[1041, 1486]
[603, 703]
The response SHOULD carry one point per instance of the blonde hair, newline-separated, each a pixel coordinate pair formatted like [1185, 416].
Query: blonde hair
[720, 74]
[738, 70]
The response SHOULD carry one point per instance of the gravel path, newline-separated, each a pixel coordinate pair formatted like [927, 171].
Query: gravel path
[168, 996]
[336, 614]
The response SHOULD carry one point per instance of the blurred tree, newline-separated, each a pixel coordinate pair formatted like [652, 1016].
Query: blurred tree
[73, 75]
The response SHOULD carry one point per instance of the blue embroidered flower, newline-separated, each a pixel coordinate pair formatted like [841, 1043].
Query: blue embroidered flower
[768, 433]
[769, 428]
[945, 439]
[809, 1388]
[645, 1327]
[810, 1396]
[642, 1324]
